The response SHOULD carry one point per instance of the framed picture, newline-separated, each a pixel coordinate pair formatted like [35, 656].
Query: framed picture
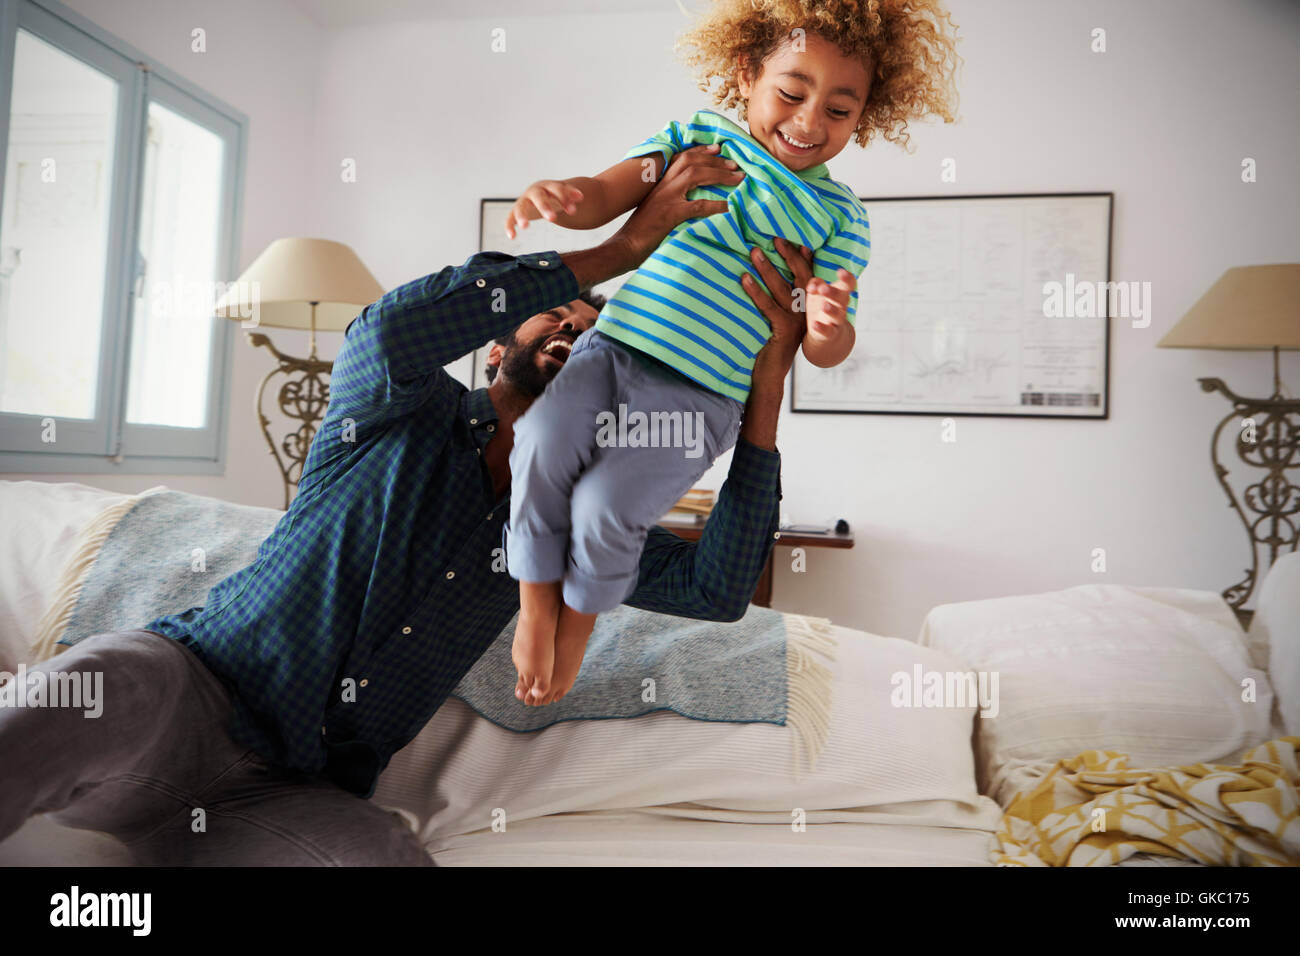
[540, 236]
[978, 305]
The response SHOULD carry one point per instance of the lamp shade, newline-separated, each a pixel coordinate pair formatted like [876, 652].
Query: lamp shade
[290, 274]
[1250, 307]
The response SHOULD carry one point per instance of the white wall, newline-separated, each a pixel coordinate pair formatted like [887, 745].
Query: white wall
[436, 121]
[262, 58]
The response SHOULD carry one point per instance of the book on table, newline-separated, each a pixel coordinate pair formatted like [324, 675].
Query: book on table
[693, 507]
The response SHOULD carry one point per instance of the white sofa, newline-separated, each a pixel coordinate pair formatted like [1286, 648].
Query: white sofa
[1155, 672]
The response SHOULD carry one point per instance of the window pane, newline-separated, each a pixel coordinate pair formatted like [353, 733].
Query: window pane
[180, 227]
[54, 231]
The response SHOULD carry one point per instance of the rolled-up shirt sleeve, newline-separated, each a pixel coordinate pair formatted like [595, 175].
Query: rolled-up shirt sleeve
[395, 349]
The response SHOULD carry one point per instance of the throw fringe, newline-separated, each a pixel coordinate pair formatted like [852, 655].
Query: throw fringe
[59, 615]
[808, 682]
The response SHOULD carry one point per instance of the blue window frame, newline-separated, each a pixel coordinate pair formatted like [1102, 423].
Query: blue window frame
[128, 99]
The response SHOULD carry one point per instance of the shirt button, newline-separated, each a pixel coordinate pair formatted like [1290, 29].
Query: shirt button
[489, 517]
[491, 428]
[473, 421]
[481, 283]
[776, 534]
[406, 630]
[478, 451]
[322, 730]
[364, 682]
[543, 262]
[450, 575]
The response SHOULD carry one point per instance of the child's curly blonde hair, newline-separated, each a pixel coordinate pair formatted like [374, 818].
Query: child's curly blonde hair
[902, 43]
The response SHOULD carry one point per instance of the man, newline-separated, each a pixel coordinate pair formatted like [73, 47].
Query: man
[276, 705]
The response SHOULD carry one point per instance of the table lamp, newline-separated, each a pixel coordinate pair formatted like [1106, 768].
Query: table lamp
[312, 284]
[1254, 307]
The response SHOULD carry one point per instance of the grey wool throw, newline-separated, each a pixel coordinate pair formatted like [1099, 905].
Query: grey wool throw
[160, 552]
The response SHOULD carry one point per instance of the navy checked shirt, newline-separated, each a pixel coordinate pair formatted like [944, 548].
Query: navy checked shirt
[386, 579]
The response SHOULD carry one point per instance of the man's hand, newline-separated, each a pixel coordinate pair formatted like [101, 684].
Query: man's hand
[666, 206]
[776, 302]
[662, 210]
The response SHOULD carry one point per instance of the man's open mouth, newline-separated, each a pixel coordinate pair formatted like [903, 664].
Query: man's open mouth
[558, 348]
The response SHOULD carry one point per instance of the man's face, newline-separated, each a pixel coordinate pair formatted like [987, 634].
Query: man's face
[815, 96]
[540, 346]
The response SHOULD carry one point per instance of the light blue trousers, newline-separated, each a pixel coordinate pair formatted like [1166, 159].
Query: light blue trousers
[608, 448]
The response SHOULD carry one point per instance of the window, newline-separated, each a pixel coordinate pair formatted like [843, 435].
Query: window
[118, 217]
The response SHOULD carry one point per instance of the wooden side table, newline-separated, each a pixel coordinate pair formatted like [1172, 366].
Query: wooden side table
[691, 531]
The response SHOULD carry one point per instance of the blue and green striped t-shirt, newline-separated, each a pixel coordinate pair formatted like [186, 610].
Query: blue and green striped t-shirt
[685, 305]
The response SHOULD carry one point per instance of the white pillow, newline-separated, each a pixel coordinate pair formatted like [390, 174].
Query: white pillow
[893, 765]
[40, 525]
[1276, 629]
[1156, 673]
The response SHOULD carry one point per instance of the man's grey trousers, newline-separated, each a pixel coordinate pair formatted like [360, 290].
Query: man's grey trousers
[158, 770]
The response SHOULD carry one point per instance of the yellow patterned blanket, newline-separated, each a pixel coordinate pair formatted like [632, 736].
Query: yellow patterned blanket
[1095, 810]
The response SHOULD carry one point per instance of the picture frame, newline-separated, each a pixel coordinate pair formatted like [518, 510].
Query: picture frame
[955, 316]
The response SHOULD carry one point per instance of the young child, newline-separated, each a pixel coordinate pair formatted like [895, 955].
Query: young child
[676, 344]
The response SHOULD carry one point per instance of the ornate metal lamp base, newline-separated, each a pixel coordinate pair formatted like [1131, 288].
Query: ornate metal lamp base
[302, 397]
[1270, 439]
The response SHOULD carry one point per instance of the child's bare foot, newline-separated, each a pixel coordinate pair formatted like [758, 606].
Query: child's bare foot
[533, 651]
[571, 636]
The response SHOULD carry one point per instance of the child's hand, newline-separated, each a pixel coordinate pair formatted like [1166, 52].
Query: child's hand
[829, 338]
[544, 199]
[828, 305]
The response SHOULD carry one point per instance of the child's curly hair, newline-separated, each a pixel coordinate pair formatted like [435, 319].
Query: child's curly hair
[902, 43]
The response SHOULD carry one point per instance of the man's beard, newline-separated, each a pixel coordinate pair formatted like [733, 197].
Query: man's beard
[519, 365]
